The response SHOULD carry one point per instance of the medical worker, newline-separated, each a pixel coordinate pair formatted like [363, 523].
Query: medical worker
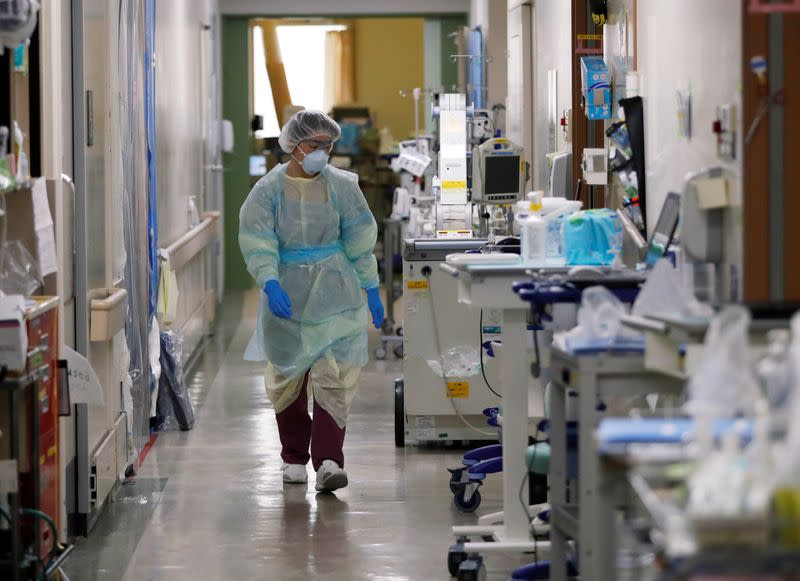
[307, 236]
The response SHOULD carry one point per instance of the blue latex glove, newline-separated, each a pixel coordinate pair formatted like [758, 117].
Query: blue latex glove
[279, 302]
[375, 307]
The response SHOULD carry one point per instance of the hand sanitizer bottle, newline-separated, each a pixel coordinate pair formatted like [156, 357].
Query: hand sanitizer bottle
[533, 233]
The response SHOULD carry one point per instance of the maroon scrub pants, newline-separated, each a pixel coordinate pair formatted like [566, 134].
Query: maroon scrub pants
[298, 431]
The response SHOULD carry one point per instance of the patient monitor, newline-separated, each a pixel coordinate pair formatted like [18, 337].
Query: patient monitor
[499, 172]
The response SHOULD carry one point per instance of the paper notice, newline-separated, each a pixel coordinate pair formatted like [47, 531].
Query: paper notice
[84, 386]
[45, 233]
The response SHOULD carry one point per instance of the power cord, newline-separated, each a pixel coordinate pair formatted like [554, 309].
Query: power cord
[441, 363]
[483, 368]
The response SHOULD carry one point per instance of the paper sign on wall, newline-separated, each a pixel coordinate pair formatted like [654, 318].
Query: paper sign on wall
[43, 225]
[84, 386]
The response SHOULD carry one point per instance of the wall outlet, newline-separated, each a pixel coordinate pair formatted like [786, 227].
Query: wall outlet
[492, 317]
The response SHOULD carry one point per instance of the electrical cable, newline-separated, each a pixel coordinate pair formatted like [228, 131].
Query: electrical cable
[536, 350]
[441, 362]
[483, 368]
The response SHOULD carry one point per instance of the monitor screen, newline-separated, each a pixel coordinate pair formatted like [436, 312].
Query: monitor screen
[664, 230]
[501, 175]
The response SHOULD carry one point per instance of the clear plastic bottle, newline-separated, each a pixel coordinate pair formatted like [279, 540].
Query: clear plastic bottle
[533, 233]
[498, 222]
[775, 372]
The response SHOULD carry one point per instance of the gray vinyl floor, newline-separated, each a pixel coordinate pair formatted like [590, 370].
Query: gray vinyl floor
[210, 503]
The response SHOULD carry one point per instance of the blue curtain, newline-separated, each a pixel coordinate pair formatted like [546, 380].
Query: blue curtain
[150, 121]
[476, 92]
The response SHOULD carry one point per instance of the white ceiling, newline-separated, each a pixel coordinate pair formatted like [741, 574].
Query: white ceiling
[343, 7]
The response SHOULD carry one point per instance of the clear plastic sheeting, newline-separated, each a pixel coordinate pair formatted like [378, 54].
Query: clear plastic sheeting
[599, 323]
[174, 409]
[724, 383]
[663, 293]
[130, 67]
[154, 351]
[122, 361]
[789, 451]
[463, 361]
[19, 271]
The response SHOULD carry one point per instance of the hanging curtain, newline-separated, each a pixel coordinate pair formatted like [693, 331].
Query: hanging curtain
[275, 69]
[340, 68]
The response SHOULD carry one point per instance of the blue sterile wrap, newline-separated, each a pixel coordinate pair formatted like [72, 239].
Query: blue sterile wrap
[592, 237]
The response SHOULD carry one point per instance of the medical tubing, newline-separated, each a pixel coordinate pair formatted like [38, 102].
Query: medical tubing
[522, 490]
[483, 368]
[441, 362]
[50, 522]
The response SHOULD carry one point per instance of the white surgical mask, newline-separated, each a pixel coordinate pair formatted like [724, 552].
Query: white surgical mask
[314, 162]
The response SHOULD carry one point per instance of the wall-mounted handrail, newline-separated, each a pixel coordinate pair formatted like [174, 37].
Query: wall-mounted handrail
[108, 310]
[192, 243]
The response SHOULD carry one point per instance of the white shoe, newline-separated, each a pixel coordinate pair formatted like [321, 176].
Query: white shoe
[294, 473]
[330, 477]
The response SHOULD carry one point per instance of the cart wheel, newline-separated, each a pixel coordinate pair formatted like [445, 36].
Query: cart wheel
[456, 475]
[472, 570]
[399, 351]
[455, 556]
[400, 331]
[464, 505]
[399, 414]
[380, 354]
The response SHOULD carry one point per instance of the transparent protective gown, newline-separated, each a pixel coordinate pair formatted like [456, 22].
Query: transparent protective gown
[321, 252]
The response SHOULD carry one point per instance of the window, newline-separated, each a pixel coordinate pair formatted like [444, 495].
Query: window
[262, 90]
[303, 49]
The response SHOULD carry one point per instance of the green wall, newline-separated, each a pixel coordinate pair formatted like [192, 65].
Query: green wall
[450, 24]
[235, 107]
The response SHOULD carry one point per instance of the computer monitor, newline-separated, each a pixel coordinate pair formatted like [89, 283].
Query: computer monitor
[561, 175]
[665, 228]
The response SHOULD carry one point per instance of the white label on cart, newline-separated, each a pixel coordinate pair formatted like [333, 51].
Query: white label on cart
[8, 477]
[426, 422]
[413, 306]
[427, 434]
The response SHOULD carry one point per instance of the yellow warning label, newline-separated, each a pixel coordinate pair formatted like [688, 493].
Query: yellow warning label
[590, 37]
[458, 389]
[454, 185]
[417, 284]
[454, 234]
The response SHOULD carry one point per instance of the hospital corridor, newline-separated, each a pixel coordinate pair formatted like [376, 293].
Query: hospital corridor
[381, 290]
